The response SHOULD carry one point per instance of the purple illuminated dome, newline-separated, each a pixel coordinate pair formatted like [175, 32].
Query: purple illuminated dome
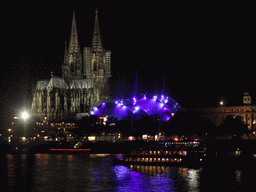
[161, 105]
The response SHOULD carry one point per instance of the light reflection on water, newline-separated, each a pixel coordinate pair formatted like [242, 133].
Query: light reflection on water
[63, 172]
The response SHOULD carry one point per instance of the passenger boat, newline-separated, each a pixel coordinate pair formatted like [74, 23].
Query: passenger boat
[167, 153]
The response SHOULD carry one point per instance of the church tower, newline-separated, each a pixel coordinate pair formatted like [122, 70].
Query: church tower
[84, 82]
[97, 63]
[72, 68]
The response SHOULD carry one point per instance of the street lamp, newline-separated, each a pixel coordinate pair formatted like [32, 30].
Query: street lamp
[221, 103]
[24, 115]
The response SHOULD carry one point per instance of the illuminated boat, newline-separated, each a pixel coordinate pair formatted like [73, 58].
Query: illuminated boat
[177, 153]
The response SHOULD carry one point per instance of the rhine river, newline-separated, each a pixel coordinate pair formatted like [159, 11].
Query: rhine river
[64, 172]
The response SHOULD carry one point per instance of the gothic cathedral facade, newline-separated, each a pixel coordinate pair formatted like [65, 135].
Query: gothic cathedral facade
[84, 81]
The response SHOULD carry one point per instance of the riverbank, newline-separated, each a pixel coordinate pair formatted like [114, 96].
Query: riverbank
[213, 148]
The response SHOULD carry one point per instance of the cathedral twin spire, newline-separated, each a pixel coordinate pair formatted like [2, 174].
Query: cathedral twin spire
[96, 40]
[73, 57]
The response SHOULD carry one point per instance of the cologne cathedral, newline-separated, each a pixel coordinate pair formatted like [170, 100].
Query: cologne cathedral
[84, 81]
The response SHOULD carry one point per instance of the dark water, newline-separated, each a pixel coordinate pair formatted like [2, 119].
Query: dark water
[55, 172]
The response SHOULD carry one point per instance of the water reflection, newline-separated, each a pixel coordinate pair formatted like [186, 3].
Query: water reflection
[142, 178]
[65, 172]
[163, 178]
[238, 176]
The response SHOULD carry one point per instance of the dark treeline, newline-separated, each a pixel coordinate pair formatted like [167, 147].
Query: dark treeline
[183, 123]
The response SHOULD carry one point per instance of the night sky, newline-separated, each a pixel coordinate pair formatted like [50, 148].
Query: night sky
[204, 51]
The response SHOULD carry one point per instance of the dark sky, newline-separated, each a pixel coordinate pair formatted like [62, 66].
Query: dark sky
[205, 51]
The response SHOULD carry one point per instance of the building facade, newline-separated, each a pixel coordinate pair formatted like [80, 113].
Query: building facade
[217, 115]
[84, 81]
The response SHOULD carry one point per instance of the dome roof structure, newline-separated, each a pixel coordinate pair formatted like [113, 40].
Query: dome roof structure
[161, 105]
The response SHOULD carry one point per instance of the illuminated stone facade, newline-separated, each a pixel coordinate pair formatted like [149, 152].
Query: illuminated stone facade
[84, 81]
[218, 114]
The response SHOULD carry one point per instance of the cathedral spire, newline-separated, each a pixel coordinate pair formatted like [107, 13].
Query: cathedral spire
[65, 54]
[73, 43]
[96, 40]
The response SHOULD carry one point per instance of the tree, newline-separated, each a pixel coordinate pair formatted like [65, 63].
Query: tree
[186, 123]
[233, 126]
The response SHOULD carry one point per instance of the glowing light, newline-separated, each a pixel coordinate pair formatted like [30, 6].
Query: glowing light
[155, 97]
[144, 136]
[137, 108]
[134, 100]
[144, 97]
[116, 102]
[103, 103]
[92, 113]
[161, 104]
[24, 115]
[131, 138]
[91, 138]
[70, 149]
[176, 139]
